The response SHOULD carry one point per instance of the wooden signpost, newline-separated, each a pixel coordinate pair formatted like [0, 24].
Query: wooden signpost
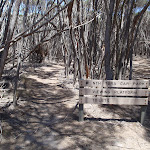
[117, 92]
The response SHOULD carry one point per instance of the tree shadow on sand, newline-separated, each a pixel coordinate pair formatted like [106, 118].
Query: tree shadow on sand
[43, 120]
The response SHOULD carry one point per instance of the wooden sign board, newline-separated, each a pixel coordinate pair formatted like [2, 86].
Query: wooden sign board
[117, 92]
[115, 83]
[114, 92]
[113, 100]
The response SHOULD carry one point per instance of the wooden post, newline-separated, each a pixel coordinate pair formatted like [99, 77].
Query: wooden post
[81, 113]
[143, 114]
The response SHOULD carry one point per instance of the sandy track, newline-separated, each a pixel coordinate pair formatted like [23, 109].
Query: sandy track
[46, 118]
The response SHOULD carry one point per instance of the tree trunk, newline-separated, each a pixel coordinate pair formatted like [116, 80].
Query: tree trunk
[9, 33]
[108, 69]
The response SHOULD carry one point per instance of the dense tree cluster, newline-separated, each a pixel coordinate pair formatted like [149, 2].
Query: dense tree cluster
[95, 39]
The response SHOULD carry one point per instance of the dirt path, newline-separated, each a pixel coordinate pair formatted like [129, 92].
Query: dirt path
[46, 118]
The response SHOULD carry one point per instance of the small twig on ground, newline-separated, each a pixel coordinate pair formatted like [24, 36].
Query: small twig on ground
[15, 137]
[74, 108]
[123, 147]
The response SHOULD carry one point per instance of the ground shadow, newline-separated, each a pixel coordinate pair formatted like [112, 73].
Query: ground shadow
[43, 120]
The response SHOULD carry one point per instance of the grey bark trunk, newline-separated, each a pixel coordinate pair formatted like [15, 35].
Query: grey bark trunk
[9, 36]
[108, 69]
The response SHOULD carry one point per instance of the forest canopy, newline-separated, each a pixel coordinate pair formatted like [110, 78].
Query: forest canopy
[95, 39]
